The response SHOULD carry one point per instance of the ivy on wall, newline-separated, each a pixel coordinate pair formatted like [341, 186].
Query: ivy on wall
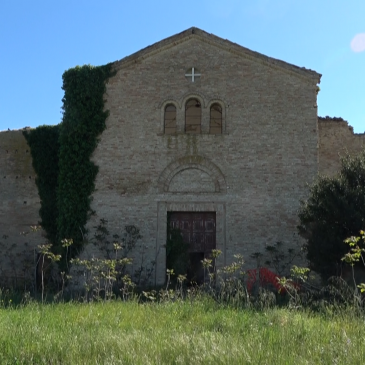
[44, 147]
[83, 121]
[61, 157]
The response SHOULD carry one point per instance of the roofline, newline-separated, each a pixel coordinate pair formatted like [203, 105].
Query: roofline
[218, 42]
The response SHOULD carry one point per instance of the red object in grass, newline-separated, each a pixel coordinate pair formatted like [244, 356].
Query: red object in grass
[265, 278]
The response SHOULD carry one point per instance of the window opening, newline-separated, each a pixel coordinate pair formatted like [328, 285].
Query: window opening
[170, 119]
[215, 119]
[193, 116]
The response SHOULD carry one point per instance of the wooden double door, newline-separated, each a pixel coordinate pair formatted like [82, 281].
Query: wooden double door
[198, 230]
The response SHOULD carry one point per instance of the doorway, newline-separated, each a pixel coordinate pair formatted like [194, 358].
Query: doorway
[198, 232]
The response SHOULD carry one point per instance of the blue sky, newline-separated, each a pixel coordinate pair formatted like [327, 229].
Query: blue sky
[39, 40]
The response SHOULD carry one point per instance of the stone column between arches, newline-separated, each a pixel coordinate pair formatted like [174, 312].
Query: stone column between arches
[189, 206]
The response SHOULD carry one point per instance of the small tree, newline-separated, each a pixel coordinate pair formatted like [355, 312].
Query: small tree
[334, 211]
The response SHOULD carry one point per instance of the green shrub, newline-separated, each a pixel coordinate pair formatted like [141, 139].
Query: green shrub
[334, 211]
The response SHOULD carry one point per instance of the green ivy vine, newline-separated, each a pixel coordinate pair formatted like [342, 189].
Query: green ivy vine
[44, 148]
[83, 121]
[61, 157]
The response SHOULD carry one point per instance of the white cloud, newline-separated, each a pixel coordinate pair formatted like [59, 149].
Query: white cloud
[358, 43]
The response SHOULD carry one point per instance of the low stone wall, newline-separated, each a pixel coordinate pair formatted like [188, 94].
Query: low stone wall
[336, 138]
[19, 207]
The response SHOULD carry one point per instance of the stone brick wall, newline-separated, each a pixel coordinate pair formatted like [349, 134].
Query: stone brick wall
[336, 138]
[252, 176]
[19, 206]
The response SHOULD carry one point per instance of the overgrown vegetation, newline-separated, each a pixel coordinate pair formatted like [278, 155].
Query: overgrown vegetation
[117, 275]
[82, 123]
[44, 146]
[219, 322]
[109, 319]
[61, 158]
[334, 211]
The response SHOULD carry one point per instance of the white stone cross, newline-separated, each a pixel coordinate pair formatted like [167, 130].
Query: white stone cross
[192, 74]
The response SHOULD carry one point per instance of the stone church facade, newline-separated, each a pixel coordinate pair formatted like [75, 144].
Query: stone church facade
[220, 138]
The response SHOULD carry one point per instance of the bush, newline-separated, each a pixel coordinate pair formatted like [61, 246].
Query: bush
[334, 211]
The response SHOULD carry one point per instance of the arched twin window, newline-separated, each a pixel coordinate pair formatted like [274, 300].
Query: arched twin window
[193, 118]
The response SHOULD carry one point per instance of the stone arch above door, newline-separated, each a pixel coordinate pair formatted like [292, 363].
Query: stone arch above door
[173, 176]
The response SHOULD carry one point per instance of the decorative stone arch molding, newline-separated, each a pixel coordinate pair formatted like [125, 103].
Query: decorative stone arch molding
[192, 162]
[194, 95]
[162, 105]
[219, 101]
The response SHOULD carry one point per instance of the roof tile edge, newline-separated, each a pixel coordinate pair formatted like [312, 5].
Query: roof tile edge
[211, 38]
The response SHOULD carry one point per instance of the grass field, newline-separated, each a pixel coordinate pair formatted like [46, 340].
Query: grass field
[176, 333]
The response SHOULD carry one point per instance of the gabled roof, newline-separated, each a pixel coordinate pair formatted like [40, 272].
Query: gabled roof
[218, 42]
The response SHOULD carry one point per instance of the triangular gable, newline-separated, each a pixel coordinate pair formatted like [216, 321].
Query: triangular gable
[218, 42]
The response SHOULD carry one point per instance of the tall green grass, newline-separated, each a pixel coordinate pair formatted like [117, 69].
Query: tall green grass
[198, 332]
